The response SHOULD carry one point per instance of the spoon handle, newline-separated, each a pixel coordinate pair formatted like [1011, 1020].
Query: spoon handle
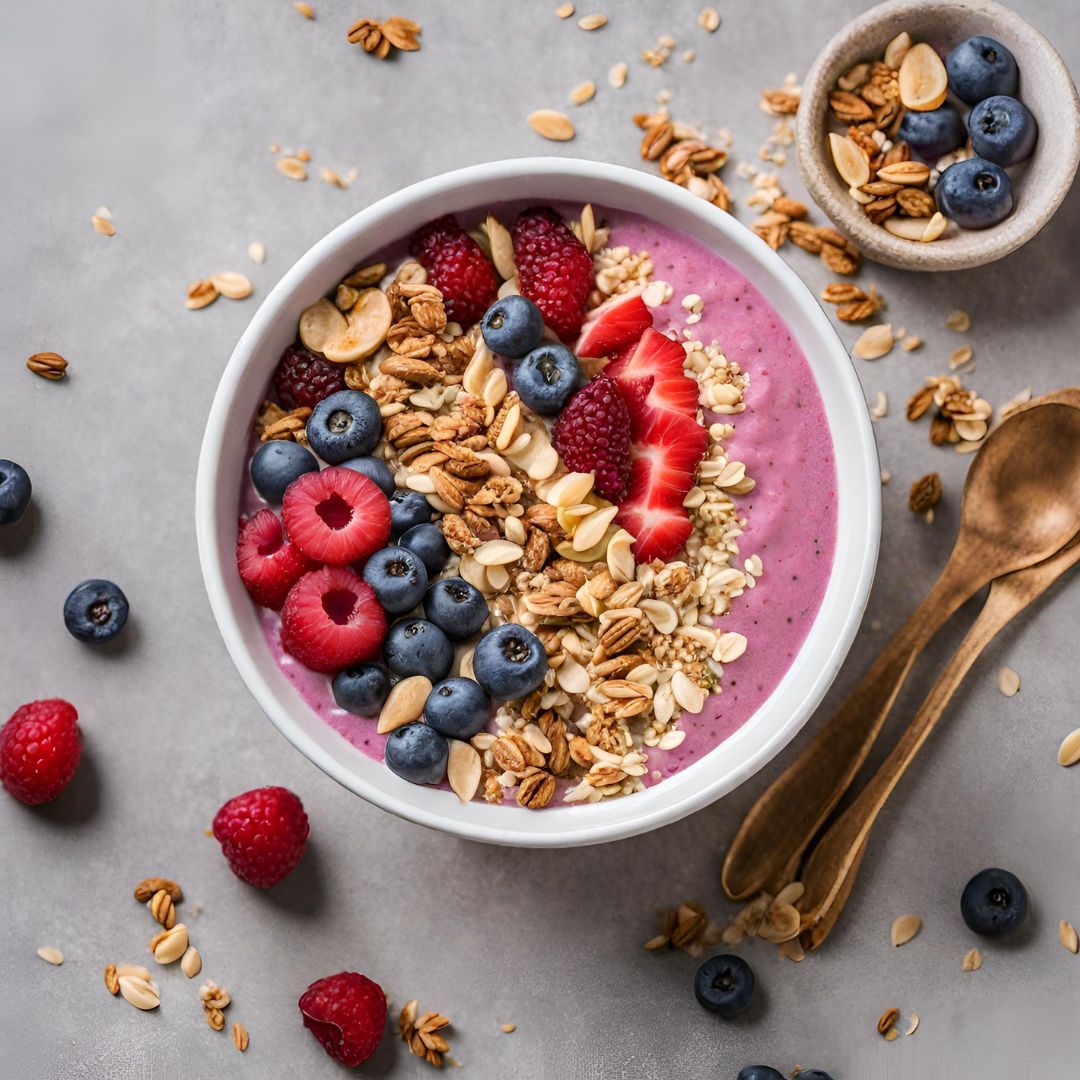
[766, 850]
[833, 864]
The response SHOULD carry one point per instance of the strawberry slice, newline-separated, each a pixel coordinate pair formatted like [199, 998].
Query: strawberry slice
[616, 323]
[652, 380]
[661, 531]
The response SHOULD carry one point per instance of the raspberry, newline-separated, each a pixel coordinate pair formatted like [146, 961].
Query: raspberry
[269, 565]
[346, 1013]
[332, 620]
[457, 266]
[554, 268]
[592, 434]
[304, 378]
[40, 748]
[263, 834]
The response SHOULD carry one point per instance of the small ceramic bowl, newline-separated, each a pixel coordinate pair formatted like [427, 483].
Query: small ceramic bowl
[1039, 185]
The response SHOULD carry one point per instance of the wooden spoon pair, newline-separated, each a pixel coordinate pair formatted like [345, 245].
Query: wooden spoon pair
[1020, 508]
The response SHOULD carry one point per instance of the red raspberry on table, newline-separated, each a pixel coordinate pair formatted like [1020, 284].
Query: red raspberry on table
[269, 565]
[40, 748]
[263, 834]
[457, 266]
[304, 378]
[555, 270]
[347, 1014]
[592, 434]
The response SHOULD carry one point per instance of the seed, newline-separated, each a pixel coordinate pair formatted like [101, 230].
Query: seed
[191, 962]
[240, 1037]
[709, 19]
[564, 11]
[583, 92]
[874, 342]
[1008, 681]
[904, 929]
[51, 955]
[292, 167]
[463, 770]
[103, 225]
[1069, 750]
[140, 992]
[617, 75]
[592, 22]
[404, 703]
[972, 960]
[552, 124]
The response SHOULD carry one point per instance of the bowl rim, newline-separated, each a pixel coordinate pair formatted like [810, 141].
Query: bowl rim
[877, 243]
[827, 646]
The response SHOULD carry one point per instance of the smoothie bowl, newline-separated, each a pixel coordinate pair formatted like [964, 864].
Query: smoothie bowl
[558, 503]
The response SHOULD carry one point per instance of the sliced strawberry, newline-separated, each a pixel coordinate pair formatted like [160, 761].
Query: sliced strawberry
[616, 323]
[652, 380]
[336, 516]
[269, 565]
[661, 531]
[656, 357]
[331, 619]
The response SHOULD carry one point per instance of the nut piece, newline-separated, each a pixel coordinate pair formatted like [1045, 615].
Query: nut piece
[140, 992]
[170, 945]
[922, 78]
[231, 285]
[191, 962]
[888, 1020]
[925, 493]
[404, 703]
[162, 908]
[1008, 682]
[1069, 750]
[148, 886]
[51, 955]
[112, 980]
[463, 770]
[200, 293]
[49, 365]
[552, 124]
[849, 160]
[367, 325]
[904, 929]
[240, 1037]
[972, 960]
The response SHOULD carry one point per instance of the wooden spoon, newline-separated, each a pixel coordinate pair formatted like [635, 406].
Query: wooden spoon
[1021, 504]
[830, 871]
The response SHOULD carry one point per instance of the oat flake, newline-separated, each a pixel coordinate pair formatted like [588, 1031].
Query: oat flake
[1008, 681]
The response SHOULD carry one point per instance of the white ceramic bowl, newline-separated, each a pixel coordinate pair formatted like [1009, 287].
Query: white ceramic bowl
[223, 459]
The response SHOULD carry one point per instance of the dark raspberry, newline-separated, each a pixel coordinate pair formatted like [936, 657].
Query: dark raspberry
[592, 434]
[304, 378]
[457, 266]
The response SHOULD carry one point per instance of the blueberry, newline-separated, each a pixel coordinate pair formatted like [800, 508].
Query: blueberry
[975, 193]
[344, 425]
[428, 542]
[980, 67]
[509, 662]
[934, 133]
[761, 1072]
[417, 647]
[95, 610]
[458, 708]
[724, 984]
[276, 464]
[375, 469]
[417, 753]
[547, 377]
[512, 326]
[407, 510]
[361, 689]
[456, 607]
[15, 490]
[398, 577]
[994, 902]
[1002, 130]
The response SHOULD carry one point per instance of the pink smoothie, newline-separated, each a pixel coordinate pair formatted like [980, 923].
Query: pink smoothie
[785, 443]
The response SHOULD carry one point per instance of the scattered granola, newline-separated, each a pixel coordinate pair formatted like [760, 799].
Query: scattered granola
[925, 494]
[1008, 681]
[852, 304]
[972, 960]
[874, 342]
[421, 1033]
[51, 955]
[960, 417]
[240, 1037]
[380, 37]
[684, 156]
[904, 928]
[49, 365]
[592, 22]
[564, 11]
[686, 927]
[552, 124]
[302, 7]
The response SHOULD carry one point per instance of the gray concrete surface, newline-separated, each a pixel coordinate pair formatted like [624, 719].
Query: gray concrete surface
[163, 111]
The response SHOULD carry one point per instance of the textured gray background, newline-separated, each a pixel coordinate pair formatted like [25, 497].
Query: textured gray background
[163, 111]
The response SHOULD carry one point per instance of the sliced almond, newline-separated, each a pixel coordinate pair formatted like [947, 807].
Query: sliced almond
[170, 945]
[904, 929]
[592, 22]
[231, 285]
[592, 528]
[480, 366]
[905, 173]
[502, 249]
[200, 293]
[897, 49]
[972, 960]
[495, 388]
[368, 323]
[907, 228]
[935, 228]
[688, 695]
[51, 955]
[321, 324]
[564, 11]
[661, 614]
[463, 768]
[1068, 937]
[496, 579]
[497, 553]
[583, 92]
[874, 342]
[1008, 681]
[568, 490]
[923, 79]
[1069, 750]
[404, 703]
[849, 160]
[191, 962]
[552, 124]
[140, 992]
[594, 554]
[620, 556]
[572, 677]
[616, 77]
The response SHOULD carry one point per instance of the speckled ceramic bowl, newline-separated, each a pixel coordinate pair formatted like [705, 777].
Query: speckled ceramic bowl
[1046, 88]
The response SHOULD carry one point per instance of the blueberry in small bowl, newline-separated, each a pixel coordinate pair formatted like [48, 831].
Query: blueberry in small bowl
[407, 510]
[398, 578]
[512, 326]
[276, 464]
[344, 425]
[1003, 130]
[375, 469]
[457, 708]
[361, 689]
[456, 607]
[418, 647]
[975, 193]
[509, 662]
[994, 902]
[724, 985]
[15, 490]
[428, 542]
[95, 610]
[980, 67]
[546, 378]
[417, 753]
[933, 134]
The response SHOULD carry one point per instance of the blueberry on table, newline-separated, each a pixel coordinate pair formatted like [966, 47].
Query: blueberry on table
[980, 67]
[933, 134]
[456, 607]
[417, 753]
[512, 326]
[15, 489]
[361, 689]
[418, 647]
[344, 425]
[994, 902]
[509, 662]
[547, 377]
[457, 708]
[724, 985]
[761, 1072]
[1002, 130]
[428, 542]
[975, 193]
[374, 469]
[276, 464]
[95, 610]
[407, 510]
[398, 578]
